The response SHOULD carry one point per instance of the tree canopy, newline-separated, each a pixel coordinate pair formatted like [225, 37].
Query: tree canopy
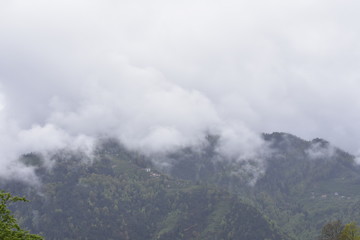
[9, 228]
[337, 231]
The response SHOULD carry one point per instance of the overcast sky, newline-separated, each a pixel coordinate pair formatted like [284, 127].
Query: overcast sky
[158, 74]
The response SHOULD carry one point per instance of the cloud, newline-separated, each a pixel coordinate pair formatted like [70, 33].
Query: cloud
[321, 150]
[158, 75]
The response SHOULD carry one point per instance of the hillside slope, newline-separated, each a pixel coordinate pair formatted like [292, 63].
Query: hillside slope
[299, 184]
[121, 196]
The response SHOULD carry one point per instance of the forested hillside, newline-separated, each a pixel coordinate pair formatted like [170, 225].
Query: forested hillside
[300, 184]
[121, 196]
[290, 192]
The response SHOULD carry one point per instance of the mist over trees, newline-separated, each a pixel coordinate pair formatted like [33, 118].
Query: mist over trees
[200, 194]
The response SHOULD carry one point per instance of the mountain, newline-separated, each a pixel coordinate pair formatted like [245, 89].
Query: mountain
[299, 184]
[312, 180]
[120, 195]
[287, 191]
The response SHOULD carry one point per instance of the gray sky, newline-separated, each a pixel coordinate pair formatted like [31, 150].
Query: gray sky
[158, 74]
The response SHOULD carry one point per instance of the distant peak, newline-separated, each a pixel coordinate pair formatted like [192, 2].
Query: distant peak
[279, 136]
[320, 142]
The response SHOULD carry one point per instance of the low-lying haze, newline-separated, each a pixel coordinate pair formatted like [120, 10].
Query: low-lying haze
[161, 74]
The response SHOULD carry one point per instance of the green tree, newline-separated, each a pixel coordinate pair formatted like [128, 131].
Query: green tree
[350, 232]
[331, 231]
[9, 228]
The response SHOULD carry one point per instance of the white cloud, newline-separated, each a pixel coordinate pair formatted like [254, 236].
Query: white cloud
[321, 150]
[158, 74]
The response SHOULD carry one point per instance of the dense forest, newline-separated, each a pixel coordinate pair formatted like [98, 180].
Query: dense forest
[122, 194]
[305, 185]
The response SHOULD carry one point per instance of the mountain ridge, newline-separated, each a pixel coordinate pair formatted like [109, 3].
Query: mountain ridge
[300, 185]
